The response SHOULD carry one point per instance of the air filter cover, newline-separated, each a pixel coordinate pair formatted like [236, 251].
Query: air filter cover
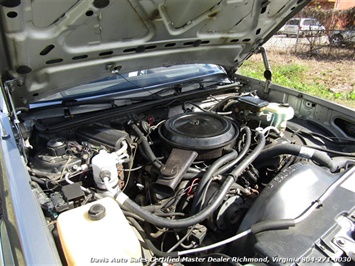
[201, 132]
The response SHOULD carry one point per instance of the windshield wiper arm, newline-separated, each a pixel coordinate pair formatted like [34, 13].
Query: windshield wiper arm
[74, 102]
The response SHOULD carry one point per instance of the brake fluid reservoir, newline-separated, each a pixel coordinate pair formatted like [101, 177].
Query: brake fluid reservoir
[98, 233]
[281, 113]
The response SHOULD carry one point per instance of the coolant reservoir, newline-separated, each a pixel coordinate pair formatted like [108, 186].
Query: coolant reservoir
[98, 233]
[282, 113]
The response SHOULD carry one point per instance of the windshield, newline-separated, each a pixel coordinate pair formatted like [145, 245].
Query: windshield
[310, 22]
[138, 81]
[293, 22]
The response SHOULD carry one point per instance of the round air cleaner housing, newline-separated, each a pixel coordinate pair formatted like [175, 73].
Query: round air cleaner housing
[206, 133]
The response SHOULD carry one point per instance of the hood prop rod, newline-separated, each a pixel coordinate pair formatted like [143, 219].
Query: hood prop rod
[9, 87]
[267, 72]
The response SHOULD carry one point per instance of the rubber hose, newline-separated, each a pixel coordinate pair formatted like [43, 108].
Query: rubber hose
[146, 147]
[215, 170]
[185, 222]
[209, 209]
[38, 180]
[246, 147]
[272, 225]
[43, 183]
[293, 149]
[250, 158]
[208, 175]
[149, 243]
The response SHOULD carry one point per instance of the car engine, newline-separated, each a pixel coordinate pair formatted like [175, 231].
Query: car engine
[188, 175]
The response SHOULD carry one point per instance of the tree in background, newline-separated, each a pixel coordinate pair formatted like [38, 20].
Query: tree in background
[330, 18]
[336, 22]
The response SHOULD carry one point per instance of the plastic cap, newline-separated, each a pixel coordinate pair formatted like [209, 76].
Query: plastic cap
[97, 212]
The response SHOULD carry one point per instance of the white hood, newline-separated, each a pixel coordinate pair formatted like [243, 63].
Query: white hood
[51, 45]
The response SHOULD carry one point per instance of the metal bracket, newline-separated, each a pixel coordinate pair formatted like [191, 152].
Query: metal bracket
[4, 134]
[10, 86]
[347, 245]
[343, 239]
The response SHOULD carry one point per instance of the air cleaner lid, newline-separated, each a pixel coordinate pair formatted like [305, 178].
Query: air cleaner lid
[198, 131]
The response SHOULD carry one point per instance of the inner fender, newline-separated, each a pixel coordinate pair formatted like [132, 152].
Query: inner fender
[289, 194]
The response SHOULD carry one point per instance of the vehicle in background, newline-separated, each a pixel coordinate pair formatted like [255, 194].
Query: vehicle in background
[342, 37]
[303, 27]
[281, 30]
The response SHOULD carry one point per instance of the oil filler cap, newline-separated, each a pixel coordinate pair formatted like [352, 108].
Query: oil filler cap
[97, 212]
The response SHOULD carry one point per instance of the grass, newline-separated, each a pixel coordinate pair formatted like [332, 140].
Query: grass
[297, 76]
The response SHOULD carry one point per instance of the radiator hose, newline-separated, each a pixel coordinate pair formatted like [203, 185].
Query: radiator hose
[219, 167]
[129, 204]
[301, 151]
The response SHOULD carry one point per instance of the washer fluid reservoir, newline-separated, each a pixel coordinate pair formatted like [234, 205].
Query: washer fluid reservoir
[98, 233]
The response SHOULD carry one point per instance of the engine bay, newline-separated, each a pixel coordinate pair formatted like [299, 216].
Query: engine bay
[190, 174]
[129, 136]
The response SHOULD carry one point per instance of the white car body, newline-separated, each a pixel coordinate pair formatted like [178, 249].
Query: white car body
[303, 27]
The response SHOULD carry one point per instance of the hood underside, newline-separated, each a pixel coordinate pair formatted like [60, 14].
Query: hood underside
[50, 46]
